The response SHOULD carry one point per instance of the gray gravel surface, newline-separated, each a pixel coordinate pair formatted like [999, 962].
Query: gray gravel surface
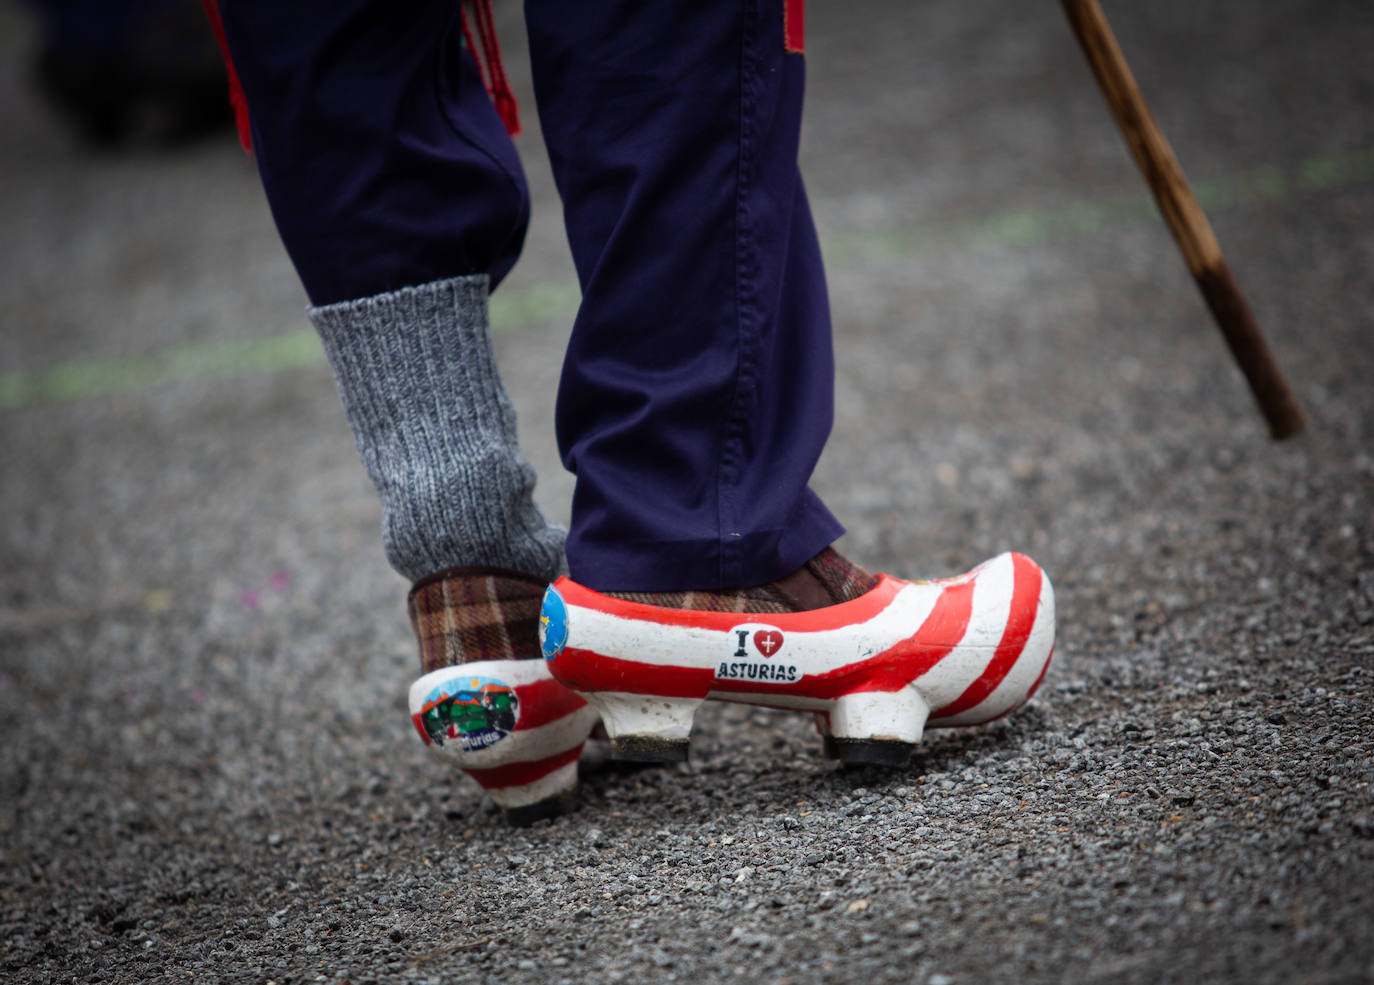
[208, 774]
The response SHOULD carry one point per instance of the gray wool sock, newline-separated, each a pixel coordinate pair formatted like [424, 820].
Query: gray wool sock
[436, 431]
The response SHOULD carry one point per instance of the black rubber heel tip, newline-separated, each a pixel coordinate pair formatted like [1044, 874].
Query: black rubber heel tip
[871, 752]
[649, 749]
[520, 817]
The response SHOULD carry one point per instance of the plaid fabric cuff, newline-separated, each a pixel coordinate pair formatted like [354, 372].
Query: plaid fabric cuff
[841, 579]
[466, 614]
[759, 599]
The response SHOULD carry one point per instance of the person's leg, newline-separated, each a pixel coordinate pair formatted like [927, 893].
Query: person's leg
[697, 397]
[400, 199]
[697, 392]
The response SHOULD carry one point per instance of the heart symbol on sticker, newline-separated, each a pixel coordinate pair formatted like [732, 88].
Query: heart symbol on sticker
[768, 641]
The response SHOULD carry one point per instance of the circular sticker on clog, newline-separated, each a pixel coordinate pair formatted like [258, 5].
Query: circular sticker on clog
[553, 624]
[475, 712]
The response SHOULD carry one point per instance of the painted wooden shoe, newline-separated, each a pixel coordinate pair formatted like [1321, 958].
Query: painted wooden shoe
[511, 727]
[877, 670]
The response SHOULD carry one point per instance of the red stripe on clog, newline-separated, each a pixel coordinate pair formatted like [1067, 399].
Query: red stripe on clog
[916, 655]
[519, 774]
[1029, 694]
[1043, 671]
[417, 720]
[899, 665]
[587, 670]
[892, 669]
[861, 609]
[1025, 599]
[543, 702]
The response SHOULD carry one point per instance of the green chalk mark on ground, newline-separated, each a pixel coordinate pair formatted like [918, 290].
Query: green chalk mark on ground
[222, 358]
[195, 360]
[558, 301]
[1030, 226]
[540, 303]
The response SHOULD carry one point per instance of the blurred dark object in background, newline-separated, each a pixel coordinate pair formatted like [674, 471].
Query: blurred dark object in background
[125, 73]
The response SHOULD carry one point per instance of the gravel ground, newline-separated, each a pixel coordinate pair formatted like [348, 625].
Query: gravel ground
[209, 775]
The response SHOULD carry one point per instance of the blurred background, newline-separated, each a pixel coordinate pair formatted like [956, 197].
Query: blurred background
[203, 655]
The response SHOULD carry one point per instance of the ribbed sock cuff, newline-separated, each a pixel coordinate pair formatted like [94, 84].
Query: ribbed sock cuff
[417, 375]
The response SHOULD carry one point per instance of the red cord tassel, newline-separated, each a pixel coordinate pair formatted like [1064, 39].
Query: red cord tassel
[794, 26]
[494, 77]
[236, 97]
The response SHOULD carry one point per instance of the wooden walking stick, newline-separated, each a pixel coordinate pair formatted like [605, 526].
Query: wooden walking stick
[1185, 219]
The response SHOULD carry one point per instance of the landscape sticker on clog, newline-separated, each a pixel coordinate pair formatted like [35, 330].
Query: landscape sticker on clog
[475, 712]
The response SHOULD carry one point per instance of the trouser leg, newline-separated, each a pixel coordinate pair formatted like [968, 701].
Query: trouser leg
[384, 162]
[697, 392]
[400, 199]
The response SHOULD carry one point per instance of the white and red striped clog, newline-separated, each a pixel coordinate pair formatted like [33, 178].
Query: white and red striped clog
[876, 671]
[511, 727]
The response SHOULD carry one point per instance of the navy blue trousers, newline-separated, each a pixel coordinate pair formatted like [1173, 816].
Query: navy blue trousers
[696, 394]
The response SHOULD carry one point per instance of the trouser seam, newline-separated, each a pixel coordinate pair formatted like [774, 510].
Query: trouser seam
[746, 314]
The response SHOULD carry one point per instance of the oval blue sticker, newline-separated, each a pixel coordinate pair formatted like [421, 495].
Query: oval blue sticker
[553, 624]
